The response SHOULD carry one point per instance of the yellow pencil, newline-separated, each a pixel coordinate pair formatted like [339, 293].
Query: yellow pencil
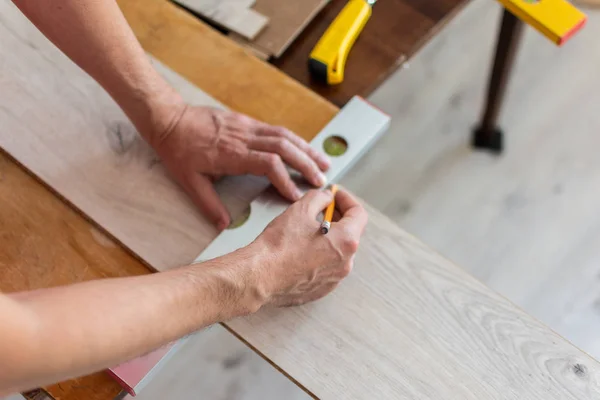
[326, 225]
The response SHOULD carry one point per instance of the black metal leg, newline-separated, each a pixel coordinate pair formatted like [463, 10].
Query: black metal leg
[488, 135]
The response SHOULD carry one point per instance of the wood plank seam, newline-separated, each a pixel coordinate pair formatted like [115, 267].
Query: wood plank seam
[234, 16]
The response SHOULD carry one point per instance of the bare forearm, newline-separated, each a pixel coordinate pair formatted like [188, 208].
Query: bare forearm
[69, 331]
[96, 36]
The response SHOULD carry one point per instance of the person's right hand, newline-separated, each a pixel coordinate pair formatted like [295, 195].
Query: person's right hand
[302, 264]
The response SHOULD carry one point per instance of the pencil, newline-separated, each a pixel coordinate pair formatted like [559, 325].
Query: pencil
[326, 225]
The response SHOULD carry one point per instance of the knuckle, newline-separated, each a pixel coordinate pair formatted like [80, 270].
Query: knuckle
[312, 193]
[277, 131]
[272, 161]
[282, 145]
[312, 152]
[346, 270]
[350, 245]
[360, 208]
[305, 204]
[280, 130]
[227, 148]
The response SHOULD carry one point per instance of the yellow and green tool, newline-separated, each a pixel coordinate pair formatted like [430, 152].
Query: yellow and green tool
[328, 59]
[558, 20]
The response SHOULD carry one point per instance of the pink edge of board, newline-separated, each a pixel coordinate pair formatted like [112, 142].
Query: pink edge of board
[572, 32]
[130, 374]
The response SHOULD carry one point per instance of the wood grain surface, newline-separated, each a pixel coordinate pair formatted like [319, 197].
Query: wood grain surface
[406, 324]
[286, 22]
[418, 327]
[80, 143]
[397, 29]
[527, 223]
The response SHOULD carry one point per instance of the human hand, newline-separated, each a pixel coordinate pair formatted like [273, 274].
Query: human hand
[204, 143]
[302, 264]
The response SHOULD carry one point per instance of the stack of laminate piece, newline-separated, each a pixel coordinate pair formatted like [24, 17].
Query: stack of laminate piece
[266, 27]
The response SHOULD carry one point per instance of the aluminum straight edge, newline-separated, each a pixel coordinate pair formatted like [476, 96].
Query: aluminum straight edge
[360, 124]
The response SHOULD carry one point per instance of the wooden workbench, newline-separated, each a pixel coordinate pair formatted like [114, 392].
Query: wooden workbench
[46, 243]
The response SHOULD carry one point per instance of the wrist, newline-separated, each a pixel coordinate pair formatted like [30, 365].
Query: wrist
[150, 102]
[241, 282]
[160, 113]
[253, 268]
[265, 282]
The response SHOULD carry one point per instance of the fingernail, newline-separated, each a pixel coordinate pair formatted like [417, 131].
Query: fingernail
[321, 179]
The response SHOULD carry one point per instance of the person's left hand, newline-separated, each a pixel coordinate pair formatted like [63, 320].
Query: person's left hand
[204, 144]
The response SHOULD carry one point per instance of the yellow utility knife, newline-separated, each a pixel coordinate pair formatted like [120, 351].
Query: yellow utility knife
[328, 58]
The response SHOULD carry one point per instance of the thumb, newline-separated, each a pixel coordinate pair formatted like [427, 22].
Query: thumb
[203, 194]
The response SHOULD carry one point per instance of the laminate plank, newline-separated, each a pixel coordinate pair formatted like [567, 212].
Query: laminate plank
[232, 15]
[406, 324]
[286, 22]
[85, 162]
[526, 224]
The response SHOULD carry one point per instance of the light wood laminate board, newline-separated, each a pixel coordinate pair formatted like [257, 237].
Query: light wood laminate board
[85, 163]
[287, 19]
[407, 324]
[232, 15]
[526, 223]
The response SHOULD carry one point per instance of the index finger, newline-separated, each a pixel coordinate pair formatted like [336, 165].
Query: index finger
[354, 216]
[279, 131]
